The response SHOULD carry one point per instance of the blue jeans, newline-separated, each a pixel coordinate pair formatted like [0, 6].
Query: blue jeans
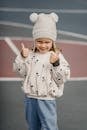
[41, 114]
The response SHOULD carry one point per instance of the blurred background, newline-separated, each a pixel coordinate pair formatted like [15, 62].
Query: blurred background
[72, 30]
[15, 28]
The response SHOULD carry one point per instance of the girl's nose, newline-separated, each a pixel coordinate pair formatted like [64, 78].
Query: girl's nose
[43, 44]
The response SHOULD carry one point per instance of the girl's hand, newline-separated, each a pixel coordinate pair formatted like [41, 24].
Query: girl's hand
[25, 51]
[54, 57]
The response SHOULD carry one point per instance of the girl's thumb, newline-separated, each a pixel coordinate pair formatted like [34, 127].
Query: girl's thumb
[22, 45]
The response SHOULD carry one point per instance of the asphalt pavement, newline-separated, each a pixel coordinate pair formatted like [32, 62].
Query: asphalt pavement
[71, 107]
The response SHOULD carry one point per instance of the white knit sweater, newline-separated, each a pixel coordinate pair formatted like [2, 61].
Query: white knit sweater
[41, 79]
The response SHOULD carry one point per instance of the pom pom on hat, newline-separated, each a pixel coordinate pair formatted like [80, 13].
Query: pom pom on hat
[55, 17]
[44, 25]
[33, 17]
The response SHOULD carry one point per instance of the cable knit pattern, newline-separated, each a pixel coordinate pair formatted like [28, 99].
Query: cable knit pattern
[41, 79]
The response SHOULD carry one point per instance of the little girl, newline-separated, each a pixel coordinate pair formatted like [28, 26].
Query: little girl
[45, 71]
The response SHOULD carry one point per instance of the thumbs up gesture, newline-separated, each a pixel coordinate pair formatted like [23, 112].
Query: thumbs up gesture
[25, 51]
[54, 57]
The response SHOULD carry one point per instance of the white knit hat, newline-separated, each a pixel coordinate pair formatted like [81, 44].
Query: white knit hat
[44, 25]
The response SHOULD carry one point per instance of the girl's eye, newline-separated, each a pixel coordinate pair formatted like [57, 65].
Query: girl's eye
[39, 41]
[47, 42]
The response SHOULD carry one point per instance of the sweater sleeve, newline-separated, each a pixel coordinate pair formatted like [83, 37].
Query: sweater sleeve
[20, 65]
[61, 72]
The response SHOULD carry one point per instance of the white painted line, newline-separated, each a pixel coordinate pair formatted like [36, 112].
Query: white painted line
[73, 34]
[67, 33]
[10, 79]
[77, 78]
[21, 79]
[14, 24]
[64, 11]
[11, 45]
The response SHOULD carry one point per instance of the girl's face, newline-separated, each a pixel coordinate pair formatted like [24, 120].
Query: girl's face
[43, 45]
